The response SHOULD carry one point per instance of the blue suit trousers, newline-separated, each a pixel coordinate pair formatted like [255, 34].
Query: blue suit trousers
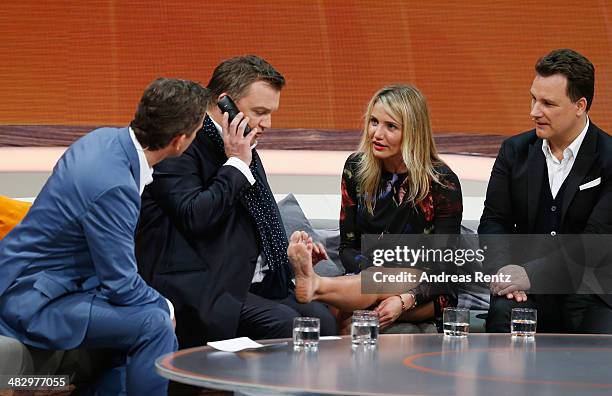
[139, 334]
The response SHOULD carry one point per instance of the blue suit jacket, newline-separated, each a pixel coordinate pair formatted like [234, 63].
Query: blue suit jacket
[75, 244]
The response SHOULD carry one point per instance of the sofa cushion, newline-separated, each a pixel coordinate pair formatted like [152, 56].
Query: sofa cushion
[11, 213]
[16, 359]
[295, 220]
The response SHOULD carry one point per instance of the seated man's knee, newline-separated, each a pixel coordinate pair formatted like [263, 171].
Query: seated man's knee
[156, 322]
[328, 320]
[498, 317]
[281, 322]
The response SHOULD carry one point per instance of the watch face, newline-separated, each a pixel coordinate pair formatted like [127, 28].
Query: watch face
[413, 298]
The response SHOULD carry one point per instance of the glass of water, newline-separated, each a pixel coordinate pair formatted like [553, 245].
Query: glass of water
[456, 322]
[523, 322]
[306, 332]
[364, 328]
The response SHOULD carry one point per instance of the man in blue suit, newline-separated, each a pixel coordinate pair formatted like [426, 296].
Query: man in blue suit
[68, 275]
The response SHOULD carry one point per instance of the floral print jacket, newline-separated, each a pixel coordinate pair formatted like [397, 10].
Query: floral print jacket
[440, 212]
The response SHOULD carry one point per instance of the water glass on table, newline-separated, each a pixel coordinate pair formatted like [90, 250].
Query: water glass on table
[456, 322]
[523, 322]
[364, 328]
[306, 332]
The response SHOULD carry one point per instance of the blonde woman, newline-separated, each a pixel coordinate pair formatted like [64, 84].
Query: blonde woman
[396, 183]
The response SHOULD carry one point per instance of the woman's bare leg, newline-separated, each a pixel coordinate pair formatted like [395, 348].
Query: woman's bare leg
[342, 292]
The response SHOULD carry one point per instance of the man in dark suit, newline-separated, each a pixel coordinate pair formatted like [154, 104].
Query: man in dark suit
[68, 275]
[210, 235]
[555, 179]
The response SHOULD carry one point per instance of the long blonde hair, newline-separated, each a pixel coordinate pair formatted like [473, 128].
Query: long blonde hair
[408, 106]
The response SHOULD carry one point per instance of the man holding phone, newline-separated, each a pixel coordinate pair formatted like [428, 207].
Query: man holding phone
[210, 234]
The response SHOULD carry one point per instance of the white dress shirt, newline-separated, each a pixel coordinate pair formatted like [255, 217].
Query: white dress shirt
[146, 177]
[558, 170]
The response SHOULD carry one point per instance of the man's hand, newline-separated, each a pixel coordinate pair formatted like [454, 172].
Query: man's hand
[517, 285]
[519, 296]
[389, 310]
[234, 141]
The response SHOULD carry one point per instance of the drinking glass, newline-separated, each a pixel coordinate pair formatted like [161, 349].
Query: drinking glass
[306, 332]
[456, 322]
[523, 322]
[364, 328]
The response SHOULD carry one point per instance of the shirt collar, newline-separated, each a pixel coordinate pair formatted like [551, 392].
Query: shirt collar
[146, 172]
[216, 126]
[573, 147]
[221, 131]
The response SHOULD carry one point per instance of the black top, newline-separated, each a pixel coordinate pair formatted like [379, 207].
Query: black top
[440, 212]
[548, 218]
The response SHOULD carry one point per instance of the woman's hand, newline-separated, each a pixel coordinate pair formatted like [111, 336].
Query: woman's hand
[388, 311]
[318, 250]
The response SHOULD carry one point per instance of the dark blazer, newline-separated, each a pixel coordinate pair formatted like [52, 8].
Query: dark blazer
[75, 244]
[197, 244]
[514, 190]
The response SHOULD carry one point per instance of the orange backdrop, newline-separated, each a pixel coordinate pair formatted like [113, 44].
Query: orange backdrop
[86, 63]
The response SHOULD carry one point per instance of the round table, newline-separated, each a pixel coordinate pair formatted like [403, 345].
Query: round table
[419, 364]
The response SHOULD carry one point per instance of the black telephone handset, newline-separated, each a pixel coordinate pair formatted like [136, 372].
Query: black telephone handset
[227, 105]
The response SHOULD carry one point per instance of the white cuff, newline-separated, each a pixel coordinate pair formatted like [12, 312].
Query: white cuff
[242, 167]
[171, 308]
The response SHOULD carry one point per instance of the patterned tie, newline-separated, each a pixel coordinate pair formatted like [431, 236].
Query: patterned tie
[262, 207]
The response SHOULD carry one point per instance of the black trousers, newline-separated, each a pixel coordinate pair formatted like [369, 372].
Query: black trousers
[262, 318]
[576, 313]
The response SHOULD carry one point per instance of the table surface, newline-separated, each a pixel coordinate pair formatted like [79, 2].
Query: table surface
[419, 364]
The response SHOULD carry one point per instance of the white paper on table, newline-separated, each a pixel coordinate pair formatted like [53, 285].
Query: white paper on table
[242, 343]
[235, 344]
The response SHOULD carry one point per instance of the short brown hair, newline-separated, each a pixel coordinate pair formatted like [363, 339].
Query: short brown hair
[169, 107]
[235, 75]
[578, 70]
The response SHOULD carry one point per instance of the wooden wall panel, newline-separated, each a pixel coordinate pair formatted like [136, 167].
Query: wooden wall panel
[74, 63]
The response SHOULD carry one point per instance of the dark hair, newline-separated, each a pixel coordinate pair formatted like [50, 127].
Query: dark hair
[578, 70]
[235, 75]
[169, 107]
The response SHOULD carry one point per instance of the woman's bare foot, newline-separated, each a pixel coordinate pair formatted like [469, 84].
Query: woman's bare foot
[300, 256]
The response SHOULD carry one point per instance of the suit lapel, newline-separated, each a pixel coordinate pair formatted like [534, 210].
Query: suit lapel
[216, 149]
[583, 162]
[536, 163]
[132, 155]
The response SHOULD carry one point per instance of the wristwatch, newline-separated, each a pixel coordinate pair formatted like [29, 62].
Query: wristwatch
[413, 294]
[414, 304]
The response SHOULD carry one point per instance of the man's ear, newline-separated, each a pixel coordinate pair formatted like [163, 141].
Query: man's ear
[178, 142]
[581, 106]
